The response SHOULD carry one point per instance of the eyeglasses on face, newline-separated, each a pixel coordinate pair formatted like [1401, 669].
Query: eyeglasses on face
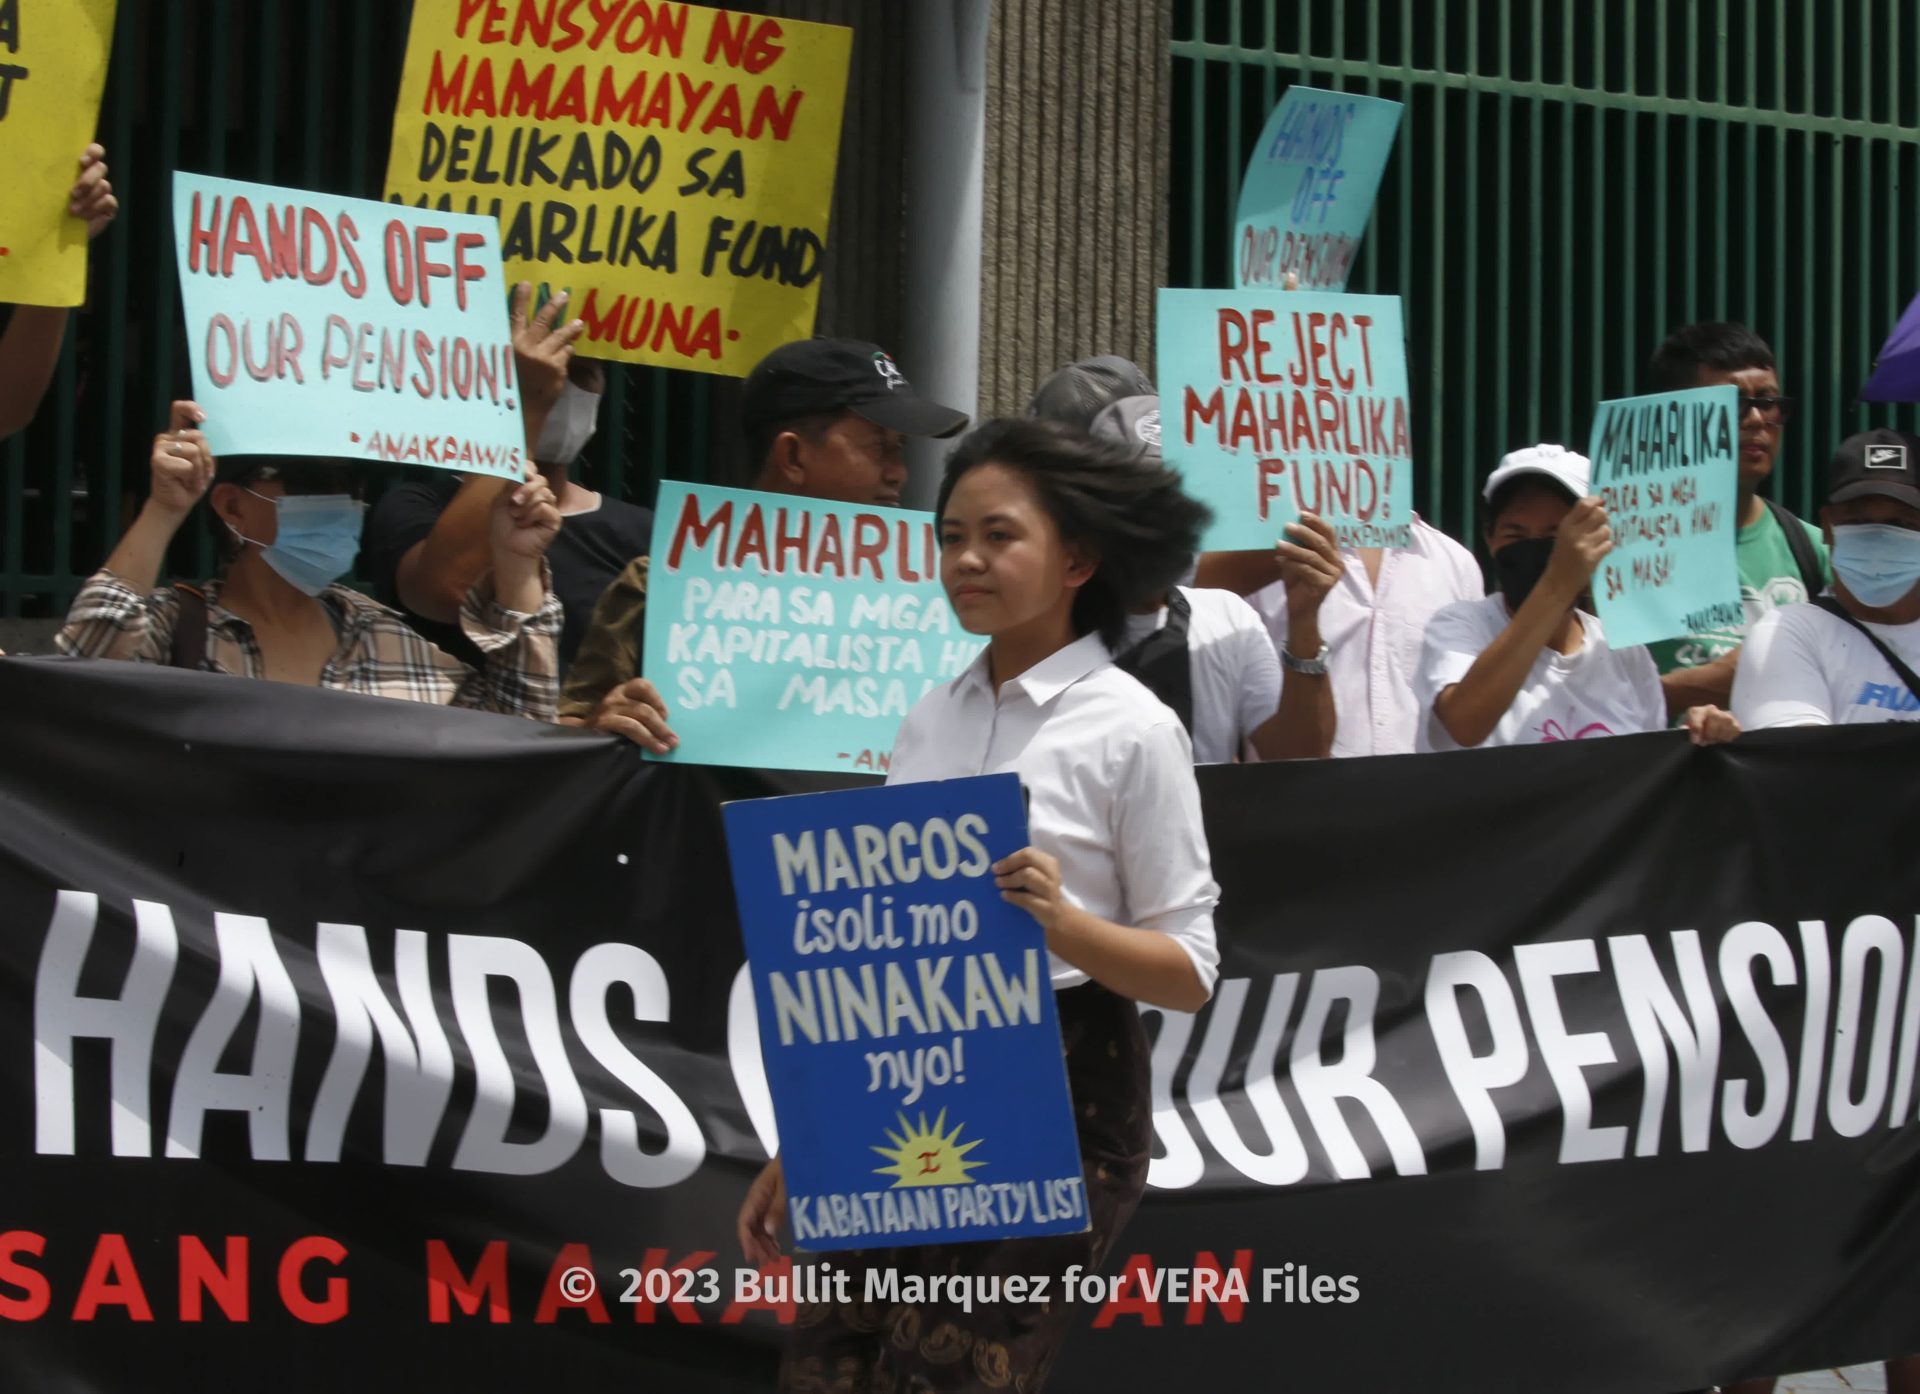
[1775, 410]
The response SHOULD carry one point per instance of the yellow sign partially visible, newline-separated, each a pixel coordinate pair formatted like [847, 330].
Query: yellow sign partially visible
[670, 165]
[53, 65]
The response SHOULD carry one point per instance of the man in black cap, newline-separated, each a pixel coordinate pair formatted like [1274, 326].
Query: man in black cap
[1849, 656]
[827, 419]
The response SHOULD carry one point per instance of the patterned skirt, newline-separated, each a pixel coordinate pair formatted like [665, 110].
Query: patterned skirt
[858, 1347]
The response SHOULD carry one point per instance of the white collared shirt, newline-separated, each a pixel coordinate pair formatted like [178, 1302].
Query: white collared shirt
[1374, 635]
[1110, 788]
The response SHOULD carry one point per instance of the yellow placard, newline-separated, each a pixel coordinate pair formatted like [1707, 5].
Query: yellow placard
[669, 165]
[53, 64]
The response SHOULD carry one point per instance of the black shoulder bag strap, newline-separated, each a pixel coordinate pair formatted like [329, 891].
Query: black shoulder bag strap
[189, 628]
[1802, 548]
[1160, 660]
[1904, 673]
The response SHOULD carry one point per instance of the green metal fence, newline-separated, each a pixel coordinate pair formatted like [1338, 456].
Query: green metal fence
[1576, 177]
[255, 89]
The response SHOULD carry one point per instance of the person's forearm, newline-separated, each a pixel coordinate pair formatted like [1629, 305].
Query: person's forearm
[29, 351]
[1142, 964]
[519, 583]
[1303, 726]
[436, 574]
[1709, 685]
[143, 550]
[1472, 707]
[1243, 573]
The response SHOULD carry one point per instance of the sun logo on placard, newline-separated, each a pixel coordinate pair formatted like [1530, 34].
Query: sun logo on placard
[927, 1156]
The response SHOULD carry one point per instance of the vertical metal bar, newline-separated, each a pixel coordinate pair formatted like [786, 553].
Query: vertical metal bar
[1809, 352]
[1536, 241]
[1409, 156]
[166, 121]
[1601, 277]
[313, 130]
[1628, 274]
[1236, 96]
[1437, 286]
[1563, 428]
[1835, 259]
[1468, 383]
[1197, 168]
[266, 109]
[212, 67]
[1693, 244]
[1662, 125]
[360, 104]
[1749, 227]
[1720, 239]
[1502, 264]
[103, 486]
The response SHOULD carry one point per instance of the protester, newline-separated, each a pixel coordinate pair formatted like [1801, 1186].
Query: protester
[1849, 657]
[826, 419]
[426, 540]
[1206, 654]
[1047, 540]
[1782, 559]
[1527, 665]
[289, 531]
[30, 345]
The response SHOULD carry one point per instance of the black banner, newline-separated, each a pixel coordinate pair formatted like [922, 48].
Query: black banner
[336, 1032]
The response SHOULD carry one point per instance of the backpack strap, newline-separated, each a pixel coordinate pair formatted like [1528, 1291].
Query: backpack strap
[1160, 661]
[189, 628]
[1801, 546]
[1901, 670]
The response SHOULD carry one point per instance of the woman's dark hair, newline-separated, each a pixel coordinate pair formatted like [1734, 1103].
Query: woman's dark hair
[1125, 508]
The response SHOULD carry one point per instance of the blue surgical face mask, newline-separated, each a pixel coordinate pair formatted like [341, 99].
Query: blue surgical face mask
[1877, 562]
[315, 540]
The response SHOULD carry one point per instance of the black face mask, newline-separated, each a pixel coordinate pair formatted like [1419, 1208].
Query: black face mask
[1518, 567]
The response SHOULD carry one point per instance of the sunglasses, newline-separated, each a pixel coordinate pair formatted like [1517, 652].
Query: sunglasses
[1772, 409]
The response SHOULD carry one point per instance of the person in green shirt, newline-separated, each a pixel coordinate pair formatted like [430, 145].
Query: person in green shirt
[1782, 558]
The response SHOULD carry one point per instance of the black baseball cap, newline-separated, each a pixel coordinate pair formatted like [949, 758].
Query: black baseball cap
[1081, 391]
[1880, 462]
[815, 377]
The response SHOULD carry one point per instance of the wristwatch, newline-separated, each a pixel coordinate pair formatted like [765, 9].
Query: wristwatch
[1315, 667]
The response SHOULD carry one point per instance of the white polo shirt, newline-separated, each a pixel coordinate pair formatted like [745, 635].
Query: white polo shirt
[1373, 635]
[1236, 671]
[1109, 777]
[1596, 690]
[1803, 667]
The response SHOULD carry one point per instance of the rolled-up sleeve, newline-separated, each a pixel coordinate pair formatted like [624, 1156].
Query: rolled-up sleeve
[110, 619]
[520, 672]
[1160, 845]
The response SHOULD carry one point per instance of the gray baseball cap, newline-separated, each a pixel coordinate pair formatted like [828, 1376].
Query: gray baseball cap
[1076, 394]
[1132, 421]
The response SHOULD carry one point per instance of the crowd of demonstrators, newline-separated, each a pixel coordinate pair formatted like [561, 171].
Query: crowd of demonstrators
[1782, 560]
[288, 530]
[1526, 665]
[426, 540]
[1049, 541]
[825, 419]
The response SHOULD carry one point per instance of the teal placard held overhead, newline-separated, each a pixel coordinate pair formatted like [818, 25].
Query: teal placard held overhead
[1309, 188]
[1275, 403]
[790, 634]
[1667, 467]
[329, 326]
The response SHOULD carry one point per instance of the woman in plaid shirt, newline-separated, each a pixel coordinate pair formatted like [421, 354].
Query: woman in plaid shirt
[290, 530]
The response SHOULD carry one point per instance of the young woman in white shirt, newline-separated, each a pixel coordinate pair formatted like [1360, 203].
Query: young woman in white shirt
[1047, 540]
[1528, 665]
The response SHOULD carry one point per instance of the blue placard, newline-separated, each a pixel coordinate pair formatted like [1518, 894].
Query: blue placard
[1274, 403]
[785, 633]
[906, 1016]
[1309, 188]
[319, 325]
[1667, 467]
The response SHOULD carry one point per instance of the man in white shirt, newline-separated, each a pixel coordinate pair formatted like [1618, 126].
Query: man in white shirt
[1206, 654]
[1839, 660]
[1370, 621]
[1528, 666]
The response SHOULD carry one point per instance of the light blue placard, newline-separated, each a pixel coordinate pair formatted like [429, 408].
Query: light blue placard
[790, 634]
[344, 327]
[1309, 188]
[1274, 403]
[906, 1016]
[1667, 466]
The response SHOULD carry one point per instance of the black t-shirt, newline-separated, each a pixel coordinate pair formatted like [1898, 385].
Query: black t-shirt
[589, 552]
